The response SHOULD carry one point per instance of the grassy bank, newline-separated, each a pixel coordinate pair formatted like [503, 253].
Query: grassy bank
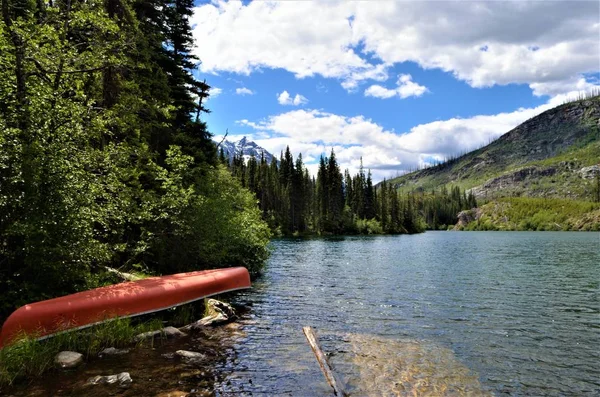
[30, 357]
[526, 213]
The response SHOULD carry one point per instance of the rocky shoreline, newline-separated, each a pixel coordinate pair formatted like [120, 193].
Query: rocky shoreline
[194, 349]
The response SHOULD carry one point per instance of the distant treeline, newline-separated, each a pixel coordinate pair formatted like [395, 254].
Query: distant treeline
[293, 202]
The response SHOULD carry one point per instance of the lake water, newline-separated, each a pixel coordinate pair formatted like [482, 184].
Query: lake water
[434, 314]
[439, 313]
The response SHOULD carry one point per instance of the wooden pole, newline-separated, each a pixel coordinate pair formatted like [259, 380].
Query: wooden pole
[322, 359]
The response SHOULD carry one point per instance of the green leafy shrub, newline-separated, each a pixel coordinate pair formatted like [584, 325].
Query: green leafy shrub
[369, 226]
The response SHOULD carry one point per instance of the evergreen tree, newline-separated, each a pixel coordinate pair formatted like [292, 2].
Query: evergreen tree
[322, 194]
[369, 210]
[335, 195]
[299, 197]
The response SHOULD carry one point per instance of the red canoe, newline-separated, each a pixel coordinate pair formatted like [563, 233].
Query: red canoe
[87, 308]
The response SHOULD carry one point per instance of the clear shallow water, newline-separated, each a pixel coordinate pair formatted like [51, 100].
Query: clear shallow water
[440, 313]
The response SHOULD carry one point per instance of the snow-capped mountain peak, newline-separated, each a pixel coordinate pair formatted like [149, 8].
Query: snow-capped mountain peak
[247, 148]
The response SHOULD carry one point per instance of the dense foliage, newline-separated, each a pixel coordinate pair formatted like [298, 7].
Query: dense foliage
[293, 202]
[104, 160]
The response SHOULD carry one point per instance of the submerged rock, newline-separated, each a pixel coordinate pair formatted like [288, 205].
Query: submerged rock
[111, 351]
[404, 367]
[168, 332]
[68, 359]
[175, 393]
[122, 380]
[190, 355]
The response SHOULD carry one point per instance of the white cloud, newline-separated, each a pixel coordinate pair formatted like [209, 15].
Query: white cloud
[547, 45]
[386, 153]
[561, 87]
[378, 91]
[285, 99]
[215, 92]
[244, 91]
[405, 88]
[377, 73]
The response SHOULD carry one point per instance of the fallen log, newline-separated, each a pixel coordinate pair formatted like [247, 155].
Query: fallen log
[323, 363]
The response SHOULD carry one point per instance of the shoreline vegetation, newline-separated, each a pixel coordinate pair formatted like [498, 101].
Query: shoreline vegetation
[29, 358]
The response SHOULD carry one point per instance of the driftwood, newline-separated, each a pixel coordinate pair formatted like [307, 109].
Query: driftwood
[322, 359]
[123, 275]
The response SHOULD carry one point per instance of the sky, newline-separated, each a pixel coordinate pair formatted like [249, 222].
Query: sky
[397, 84]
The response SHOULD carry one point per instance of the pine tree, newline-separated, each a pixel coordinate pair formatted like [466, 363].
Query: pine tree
[299, 198]
[322, 193]
[369, 198]
[383, 205]
[335, 194]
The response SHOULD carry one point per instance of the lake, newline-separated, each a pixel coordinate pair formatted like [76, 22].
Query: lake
[434, 314]
[480, 313]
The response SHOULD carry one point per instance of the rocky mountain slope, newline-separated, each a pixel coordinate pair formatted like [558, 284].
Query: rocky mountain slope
[555, 154]
[247, 148]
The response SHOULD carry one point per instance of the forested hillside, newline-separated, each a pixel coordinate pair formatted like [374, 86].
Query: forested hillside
[104, 158]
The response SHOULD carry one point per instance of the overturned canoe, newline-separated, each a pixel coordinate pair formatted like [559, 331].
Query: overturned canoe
[133, 298]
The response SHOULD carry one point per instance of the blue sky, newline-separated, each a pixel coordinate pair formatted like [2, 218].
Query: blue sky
[396, 83]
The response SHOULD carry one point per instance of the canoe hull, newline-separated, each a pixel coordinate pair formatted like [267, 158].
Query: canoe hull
[87, 308]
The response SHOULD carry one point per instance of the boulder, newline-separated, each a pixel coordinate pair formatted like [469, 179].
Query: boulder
[122, 380]
[221, 307]
[68, 359]
[168, 332]
[219, 313]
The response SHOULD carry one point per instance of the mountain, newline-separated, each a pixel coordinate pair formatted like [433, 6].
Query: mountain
[247, 148]
[555, 154]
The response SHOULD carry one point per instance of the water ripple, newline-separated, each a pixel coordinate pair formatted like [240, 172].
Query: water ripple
[511, 313]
